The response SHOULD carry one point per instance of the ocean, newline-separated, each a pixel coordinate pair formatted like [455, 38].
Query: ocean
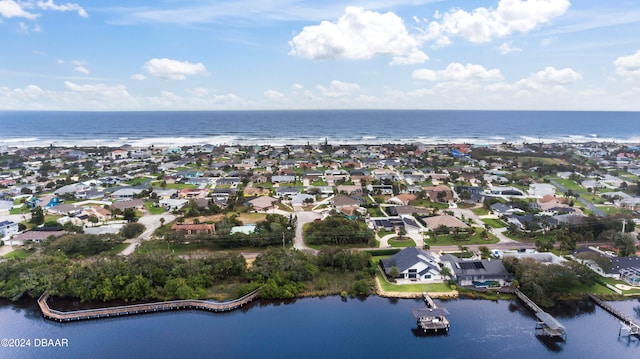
[26, 129]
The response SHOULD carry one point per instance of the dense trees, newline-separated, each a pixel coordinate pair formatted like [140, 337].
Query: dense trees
[545, 283]
[132, 230]
[81, 244]
[337, 229]
[140, 276]
[287, 273]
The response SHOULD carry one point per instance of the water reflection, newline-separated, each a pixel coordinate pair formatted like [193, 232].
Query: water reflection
[553, 344]
[418, 332]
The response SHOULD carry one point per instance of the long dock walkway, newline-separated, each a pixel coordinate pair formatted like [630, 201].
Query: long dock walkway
[107, 312]
[626, 322]
[546, 324]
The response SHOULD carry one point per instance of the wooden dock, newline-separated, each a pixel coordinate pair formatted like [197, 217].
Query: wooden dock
[432, 319]
[546, 324]
[627, 324]
[108, 312]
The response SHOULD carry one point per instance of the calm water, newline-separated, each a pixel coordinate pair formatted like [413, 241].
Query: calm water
[325, 328]
[301, 127]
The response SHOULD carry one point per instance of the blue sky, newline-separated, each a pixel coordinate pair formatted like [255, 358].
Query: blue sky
[303, 54]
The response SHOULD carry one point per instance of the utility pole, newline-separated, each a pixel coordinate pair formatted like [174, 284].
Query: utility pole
[624, 225]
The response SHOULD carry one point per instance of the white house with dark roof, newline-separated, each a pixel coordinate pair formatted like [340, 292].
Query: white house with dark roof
[413, 264]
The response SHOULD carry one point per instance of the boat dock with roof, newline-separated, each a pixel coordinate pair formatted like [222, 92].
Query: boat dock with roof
[432, 319]
[546, 324]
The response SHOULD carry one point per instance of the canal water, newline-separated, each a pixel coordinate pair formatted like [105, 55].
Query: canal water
[326, 327]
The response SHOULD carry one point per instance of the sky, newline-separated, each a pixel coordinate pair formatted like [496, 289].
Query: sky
[306, 54]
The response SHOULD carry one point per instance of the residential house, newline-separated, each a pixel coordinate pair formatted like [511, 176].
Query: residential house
[283, 179]
[192, 193]
[125, 194]
[349, 189]
[541, 189]
[505, 191]
[477, 273]
[172, 204]
[440, 193]
[8, 229]
[302, 199]
[36, 236]
[435, 222]
[194, 228]
[65, 209]
[500, 209]
[383, 189]
[283, 192]
[413, 264]
[402, 199]
[134, 203]
[341, 201]
[263, 203]
[255, 192]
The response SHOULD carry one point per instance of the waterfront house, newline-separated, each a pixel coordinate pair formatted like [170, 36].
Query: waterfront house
[477, 273]
[413, 264]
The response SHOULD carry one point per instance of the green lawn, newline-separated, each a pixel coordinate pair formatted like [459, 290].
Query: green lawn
[569, 184]
[494, 223]
[21, 210]
[400, 243]
[17, 254]
[406, 288]
[448, 240]
[152, 209]
[480, 211]
[375, 212]
[613, 282]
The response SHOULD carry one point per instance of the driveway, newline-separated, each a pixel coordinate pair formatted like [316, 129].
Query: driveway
[152, 222]
[303, 217]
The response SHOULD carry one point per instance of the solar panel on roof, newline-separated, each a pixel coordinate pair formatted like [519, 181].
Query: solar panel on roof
[471, 265]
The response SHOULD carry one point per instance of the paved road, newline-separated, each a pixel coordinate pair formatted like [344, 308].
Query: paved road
[597, 211]
[303, 217]
[497, 232]
[152, 222]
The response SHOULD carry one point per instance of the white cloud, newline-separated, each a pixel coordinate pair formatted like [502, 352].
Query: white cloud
[273, 95]
[338, 89]
[628, 65]
[457, 72]
[198, 91]
[506, 48]
[359, 34]
[139, 77]
[552, 76]
[98, 90]
[49, 5]
[297, 86]
[484, 24]
[82, 70]
[10, 8]
[173, 69]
